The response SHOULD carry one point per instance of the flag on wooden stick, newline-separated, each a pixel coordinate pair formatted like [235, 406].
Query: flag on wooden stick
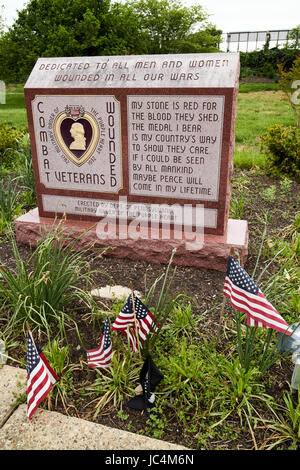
[40, 376]
[101, 356]
[125, 321]
[246, 297]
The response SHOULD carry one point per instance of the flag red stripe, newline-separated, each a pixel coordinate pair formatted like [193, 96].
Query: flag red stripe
[132, 339]
[266, 311]
[39, 385]
[34, 377]
[36, 387]
[144, 325]
[265, 314]
[52, 376]
[103, 357]
[44, 387]
[99, 357]
[103, 362]
[258, 300]
[122, 322]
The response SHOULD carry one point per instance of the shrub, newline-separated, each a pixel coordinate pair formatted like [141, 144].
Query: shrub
[9, 137]
[282, 147]
[264, 62]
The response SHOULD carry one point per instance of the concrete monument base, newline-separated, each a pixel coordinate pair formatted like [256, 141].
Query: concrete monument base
[213, 254]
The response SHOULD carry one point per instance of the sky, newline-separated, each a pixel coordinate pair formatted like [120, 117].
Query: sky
[228, 15]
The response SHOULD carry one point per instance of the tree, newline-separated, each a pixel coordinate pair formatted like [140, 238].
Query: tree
[206, 40]
[2, 23]
[68, 28]
[294, 38]
[52, 28]
[289, 82]
[168, 27]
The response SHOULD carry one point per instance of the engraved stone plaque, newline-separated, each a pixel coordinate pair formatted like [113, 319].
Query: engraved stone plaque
[78, 142]
[175, 145]
[157, 130]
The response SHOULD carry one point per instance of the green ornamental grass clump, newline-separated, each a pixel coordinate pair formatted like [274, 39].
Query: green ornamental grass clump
[39, 289]
[282, 147]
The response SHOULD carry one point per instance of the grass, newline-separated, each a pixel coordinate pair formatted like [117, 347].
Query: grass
[256, 111]
[249, 87]
[13, 111]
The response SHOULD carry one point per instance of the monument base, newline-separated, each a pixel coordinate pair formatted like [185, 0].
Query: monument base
[213, 254]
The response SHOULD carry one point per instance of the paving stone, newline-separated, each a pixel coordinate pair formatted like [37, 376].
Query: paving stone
[12, 384]
[113, 292]
[49, 430]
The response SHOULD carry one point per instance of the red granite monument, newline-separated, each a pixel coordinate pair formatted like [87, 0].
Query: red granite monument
[140, 140]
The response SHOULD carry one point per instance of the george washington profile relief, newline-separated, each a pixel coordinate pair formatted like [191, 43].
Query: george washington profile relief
[77, 132]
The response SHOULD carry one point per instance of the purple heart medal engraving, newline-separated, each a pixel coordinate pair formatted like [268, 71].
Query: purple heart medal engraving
[77, 133]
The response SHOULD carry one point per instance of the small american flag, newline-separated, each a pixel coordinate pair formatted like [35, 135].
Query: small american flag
[125, 321]
[246, 297]
[131, 335]
[101, 356]
[40, 376]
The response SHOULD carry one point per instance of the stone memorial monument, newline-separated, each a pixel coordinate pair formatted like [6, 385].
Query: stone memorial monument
[124, 147]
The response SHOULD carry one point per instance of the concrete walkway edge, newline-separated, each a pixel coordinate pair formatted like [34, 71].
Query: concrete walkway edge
[50, 430]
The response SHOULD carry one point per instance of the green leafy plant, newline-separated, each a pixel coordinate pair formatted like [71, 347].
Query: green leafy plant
[113, 384]
[25, 169]
[59, 359]
[287, 81]
[10, 206]
[263, 62]
[255, 347]
[9, 136]
[164, 305]
[40, 288]
[269, 194]
[157, 421]
[190, 372]
[242, 394]
[237, 207]
[285, 185]
[285, 428]
[182, 320]
[281, 145]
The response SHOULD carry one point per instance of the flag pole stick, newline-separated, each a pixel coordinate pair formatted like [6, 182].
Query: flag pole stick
[135, 321]
[29, 331]
[221, 318]
[223, 305]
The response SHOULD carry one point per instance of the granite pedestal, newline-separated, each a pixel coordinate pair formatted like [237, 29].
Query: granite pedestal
[213, 254]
